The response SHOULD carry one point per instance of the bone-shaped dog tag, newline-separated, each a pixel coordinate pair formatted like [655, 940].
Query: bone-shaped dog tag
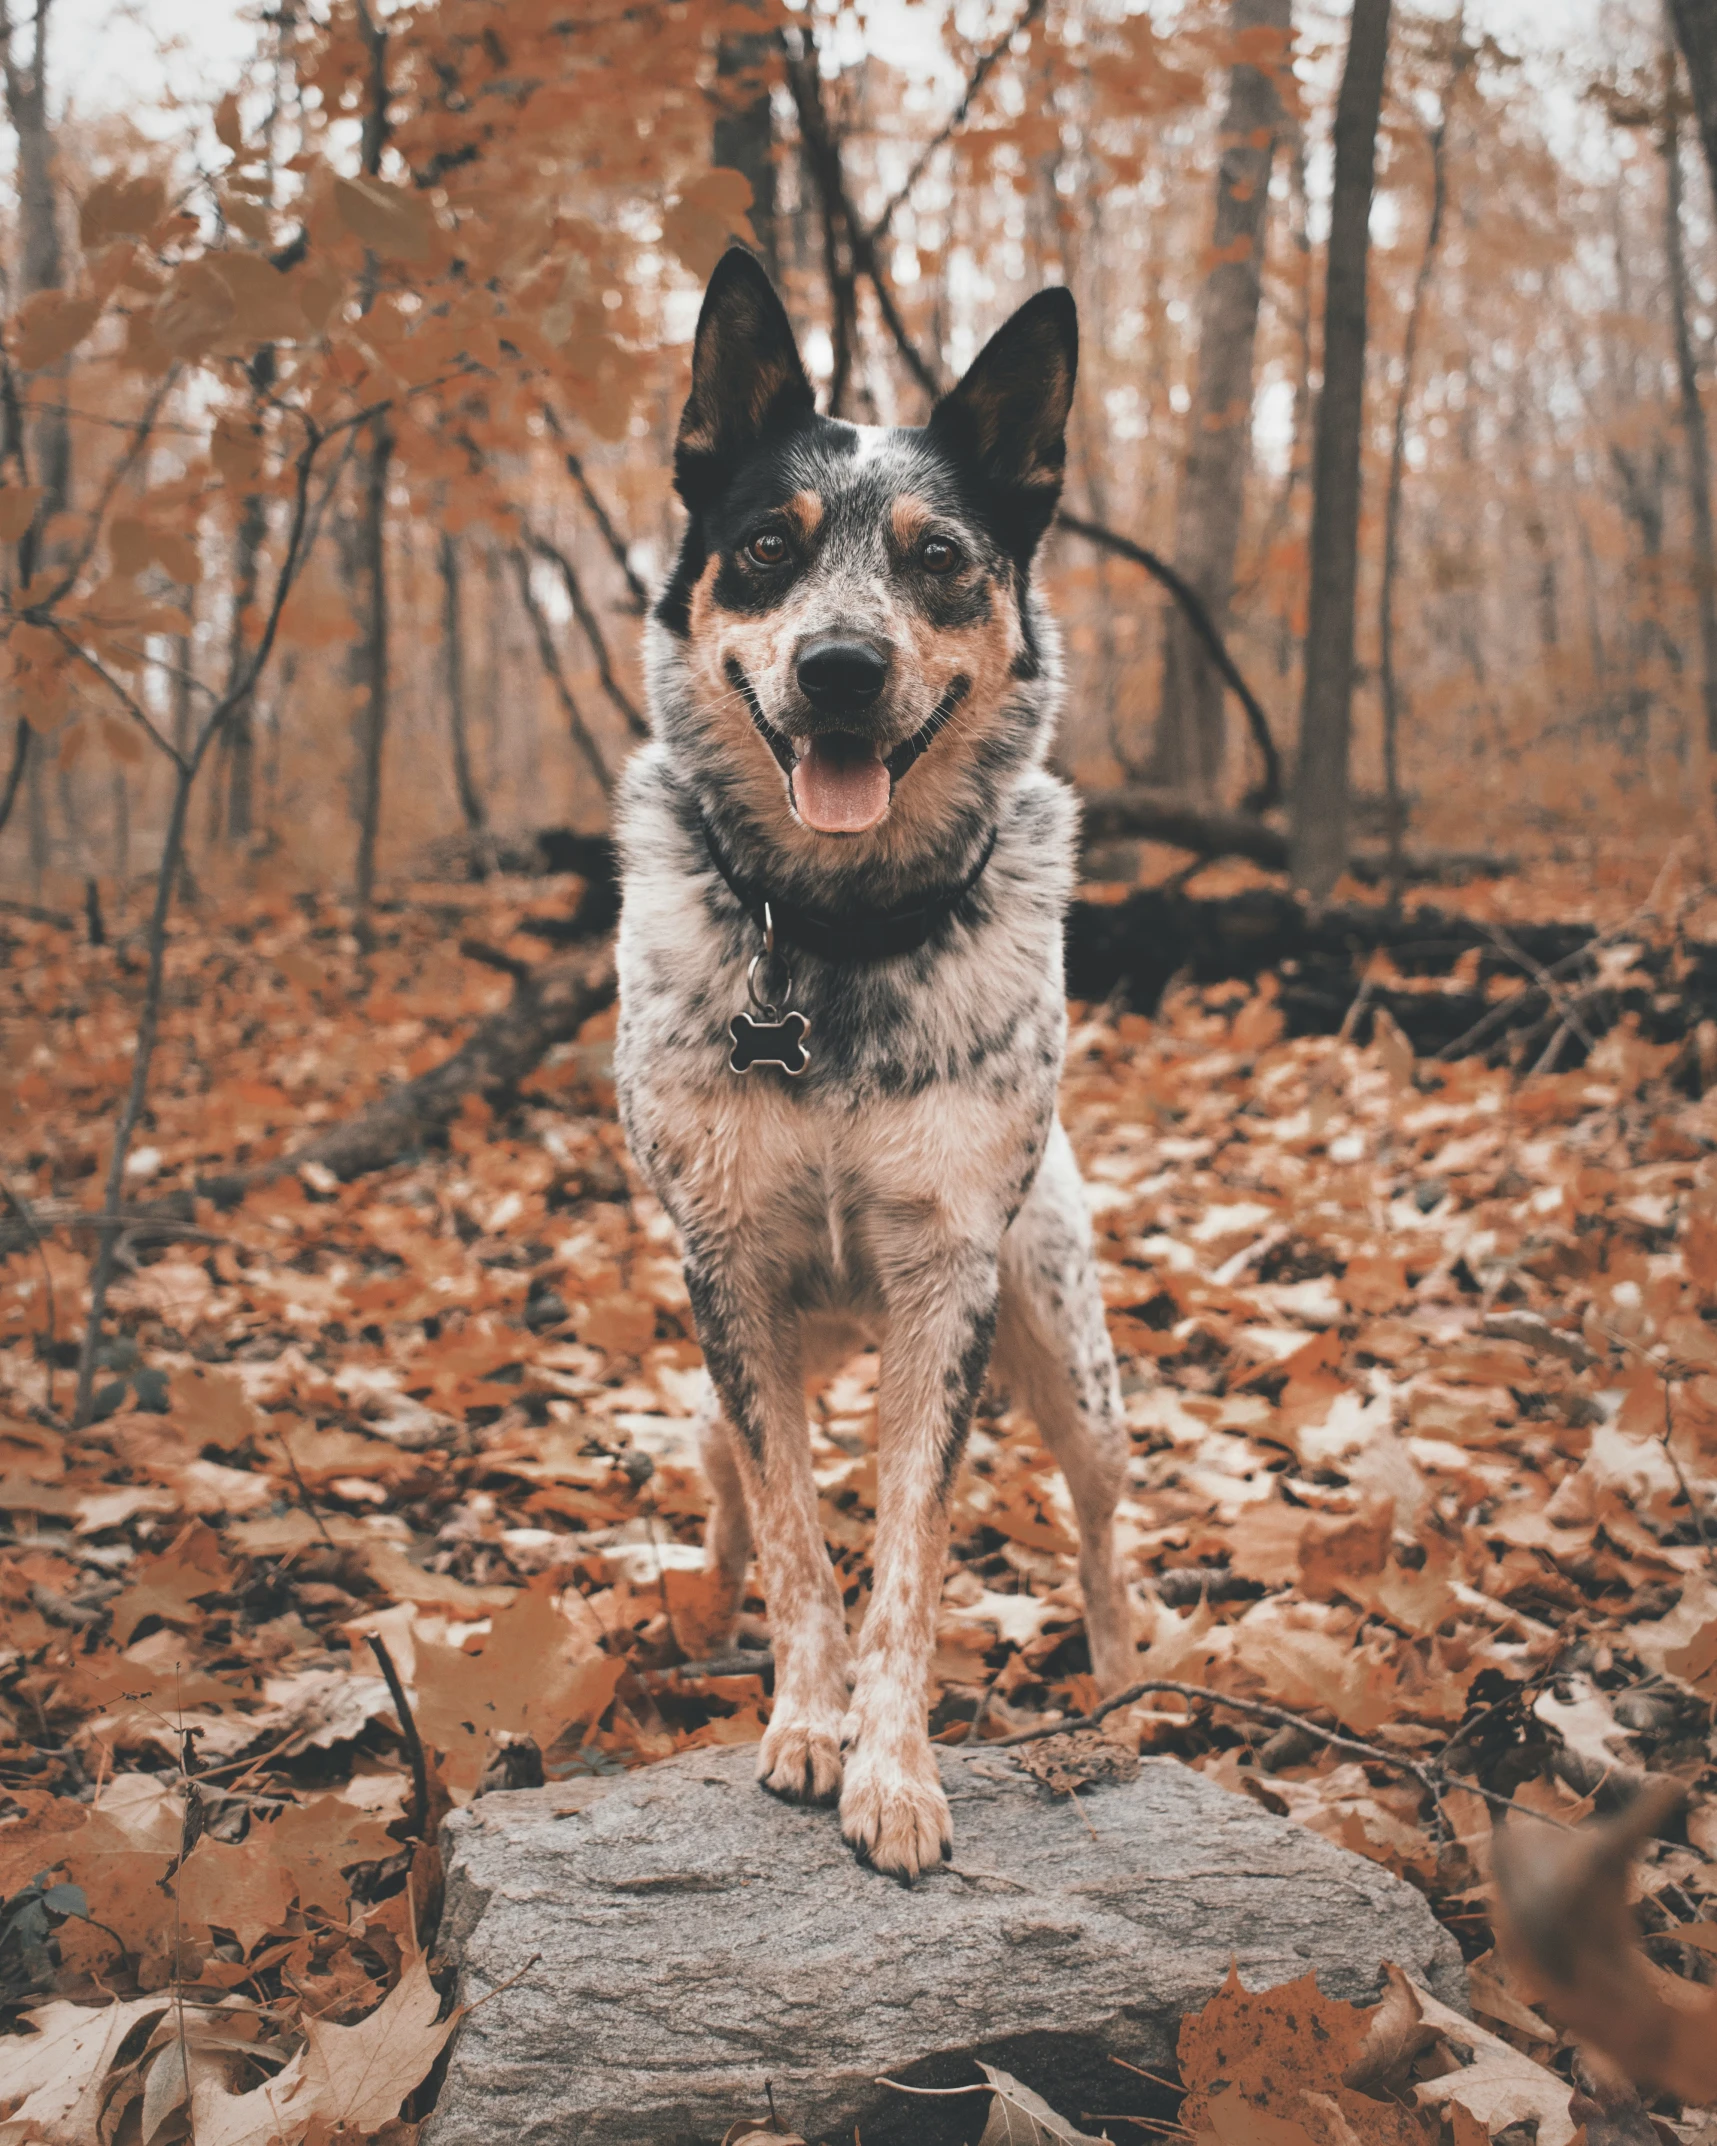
[770, 1043]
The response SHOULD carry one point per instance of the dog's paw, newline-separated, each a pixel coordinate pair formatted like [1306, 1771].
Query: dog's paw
[801, 1757]
[894, 1815]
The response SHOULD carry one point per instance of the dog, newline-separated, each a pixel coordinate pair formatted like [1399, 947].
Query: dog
[842, 1014]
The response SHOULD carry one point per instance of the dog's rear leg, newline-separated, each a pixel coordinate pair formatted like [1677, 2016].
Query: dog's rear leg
[727, 1534]
[941, 1319]
[751, 1343]
[1053, 1354]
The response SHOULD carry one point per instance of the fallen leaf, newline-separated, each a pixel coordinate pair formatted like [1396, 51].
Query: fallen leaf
[236, 1886]
[1496, 2085]
[54, 2075]
[1565, 1924]
[1018, 2117]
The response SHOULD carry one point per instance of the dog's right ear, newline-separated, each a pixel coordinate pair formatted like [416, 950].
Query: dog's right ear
[747, 379]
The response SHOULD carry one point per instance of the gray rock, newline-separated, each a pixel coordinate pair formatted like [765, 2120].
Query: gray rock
[697, 1937]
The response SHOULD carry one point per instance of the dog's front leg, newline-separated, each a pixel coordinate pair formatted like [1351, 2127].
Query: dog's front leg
[750, 1334]
[941, 1322]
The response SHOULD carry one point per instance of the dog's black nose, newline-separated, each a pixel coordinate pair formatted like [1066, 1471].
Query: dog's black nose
[839, 677]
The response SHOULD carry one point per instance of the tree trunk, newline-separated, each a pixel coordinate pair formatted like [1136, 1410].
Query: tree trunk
[39, 254]
[241, 748]
[745, 130]
[453, 665]
[121, 838]
[43, 455]
[370, 533]
[1386, 680]
[1692, 411]
[1319, 846]
[1188, 749]
[372, 653]
[1696, 32]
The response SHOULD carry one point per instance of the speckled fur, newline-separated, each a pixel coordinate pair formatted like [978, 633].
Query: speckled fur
[915, 1187]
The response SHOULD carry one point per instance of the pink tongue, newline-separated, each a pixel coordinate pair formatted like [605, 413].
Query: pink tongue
[840, 787]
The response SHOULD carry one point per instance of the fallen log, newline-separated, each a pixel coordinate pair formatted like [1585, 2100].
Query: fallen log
[1135, 811]
[1121, 812]
[550, 1004]
[1130, 809]
[1128, 952]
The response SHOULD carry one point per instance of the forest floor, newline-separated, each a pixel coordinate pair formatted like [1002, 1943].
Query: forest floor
[1420, 1363]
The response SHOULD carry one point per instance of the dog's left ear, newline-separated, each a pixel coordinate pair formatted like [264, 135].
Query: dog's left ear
[1007, 419]
[747, 378]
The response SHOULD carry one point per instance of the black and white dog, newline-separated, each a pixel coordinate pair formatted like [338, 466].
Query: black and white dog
[842, 1013]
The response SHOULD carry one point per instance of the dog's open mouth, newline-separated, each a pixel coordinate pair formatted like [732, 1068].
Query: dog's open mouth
[841, 785]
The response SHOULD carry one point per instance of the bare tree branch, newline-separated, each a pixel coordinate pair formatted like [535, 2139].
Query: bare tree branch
[592, 629]
[957, 118]
[598, 512]
[15, 773]
[822, 157]
[116, 476]
[556, 676]
[186, 768]
[1269, 790]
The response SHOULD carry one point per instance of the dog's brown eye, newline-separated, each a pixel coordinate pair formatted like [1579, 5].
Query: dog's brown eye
[769, 549]
[937, 556]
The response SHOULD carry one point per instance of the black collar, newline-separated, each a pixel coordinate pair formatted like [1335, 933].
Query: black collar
[856, 934]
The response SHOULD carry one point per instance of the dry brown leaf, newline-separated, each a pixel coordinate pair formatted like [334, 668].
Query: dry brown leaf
[315, 1842]
[389, 219]
[52, 2087]
[236, 1886]
[1567, 1928]
[1290, 2067]
[1018, 2117]
[1496, 2086]
[534, 1674]
[360, 2075]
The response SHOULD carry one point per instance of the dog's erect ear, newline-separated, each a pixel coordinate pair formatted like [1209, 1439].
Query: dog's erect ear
[746, 377]
[1007, 419]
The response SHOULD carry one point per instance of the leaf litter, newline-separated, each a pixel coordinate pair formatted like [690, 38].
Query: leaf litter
[1420, 1365]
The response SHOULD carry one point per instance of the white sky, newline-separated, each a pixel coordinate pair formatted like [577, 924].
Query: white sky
[115, 54]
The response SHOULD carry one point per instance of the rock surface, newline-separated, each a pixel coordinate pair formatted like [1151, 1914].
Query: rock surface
[697, 1937]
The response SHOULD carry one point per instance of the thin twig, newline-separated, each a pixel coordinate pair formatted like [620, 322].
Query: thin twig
[1567, 1008]
[304, 1492]
[116, 476]
[599, 514]
[957, 118]
[413, 1741]
[1670, 1455]
[1429, 1778]
[1269, 790]
[592, 630]
[742, 1662]
[127, 700]
[186, 768]
[15, 773]
[501, 1988]
[549, 656]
